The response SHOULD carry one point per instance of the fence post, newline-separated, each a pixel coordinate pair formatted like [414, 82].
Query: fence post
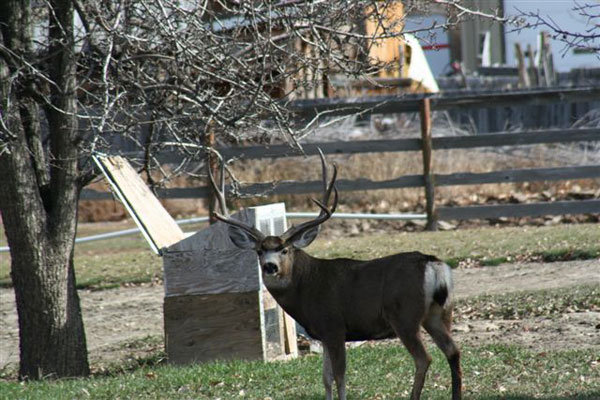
[533, 71]
[425, 116]
[524, 80]
[211, 167]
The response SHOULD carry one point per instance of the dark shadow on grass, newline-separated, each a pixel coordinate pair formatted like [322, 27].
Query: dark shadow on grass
[583, 396]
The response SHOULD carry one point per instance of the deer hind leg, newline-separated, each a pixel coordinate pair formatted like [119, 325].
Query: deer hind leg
[438, 325]
[411, 339]
[334, 368]
[327, 374]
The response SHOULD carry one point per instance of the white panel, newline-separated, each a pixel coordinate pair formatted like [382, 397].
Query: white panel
[270, 218]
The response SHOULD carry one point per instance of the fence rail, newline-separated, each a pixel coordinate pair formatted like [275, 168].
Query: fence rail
[403, 182]
[415, 144]
[547, 136]
[427, 146]
[443, 101]
[519, 210]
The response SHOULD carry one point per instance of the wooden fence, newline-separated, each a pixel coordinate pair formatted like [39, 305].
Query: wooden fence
[427, 145]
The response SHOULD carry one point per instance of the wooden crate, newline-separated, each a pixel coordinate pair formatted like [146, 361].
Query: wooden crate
[216, 306]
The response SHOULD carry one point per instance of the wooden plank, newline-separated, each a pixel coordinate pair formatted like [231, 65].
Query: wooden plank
[517, 139]
[163, 193]
[498, 71]
[521, 67]
[93, 194]
[533, 70]
[407, 181]
[204, 328]
[183, 193]
[158, 226]
[208, 263]
[311, 149]
[519, 210]
[518, 97]
[210, 272]
[519, 175]
[404, 144]
[273, 327]
[291, 337]
[298, 187]
[372, 83]
[353, 147]
[442, 101]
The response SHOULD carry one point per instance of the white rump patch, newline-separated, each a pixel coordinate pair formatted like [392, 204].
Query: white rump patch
[437, 275]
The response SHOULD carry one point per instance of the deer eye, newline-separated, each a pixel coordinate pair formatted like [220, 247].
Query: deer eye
[284, 251]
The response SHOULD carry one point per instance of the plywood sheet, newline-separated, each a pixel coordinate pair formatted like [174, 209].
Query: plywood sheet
[210, 272]
[159, 228]
[208, 263]
[213, 327]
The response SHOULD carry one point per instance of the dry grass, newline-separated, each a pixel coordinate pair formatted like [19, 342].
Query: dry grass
[385, 166]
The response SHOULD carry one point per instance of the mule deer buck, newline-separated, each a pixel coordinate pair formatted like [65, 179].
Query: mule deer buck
[343, 300]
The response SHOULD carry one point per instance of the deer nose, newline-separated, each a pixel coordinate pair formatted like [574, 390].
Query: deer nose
[270, 268]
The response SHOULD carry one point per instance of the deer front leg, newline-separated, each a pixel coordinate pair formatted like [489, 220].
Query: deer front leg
[334, 368]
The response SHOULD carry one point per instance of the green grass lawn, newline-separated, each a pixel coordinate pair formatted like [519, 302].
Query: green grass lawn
[487, 245]
[491, 372]
[378, 372]
[118, 261]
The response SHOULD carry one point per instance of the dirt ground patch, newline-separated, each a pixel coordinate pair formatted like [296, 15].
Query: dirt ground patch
[507, 278]
[118, 317]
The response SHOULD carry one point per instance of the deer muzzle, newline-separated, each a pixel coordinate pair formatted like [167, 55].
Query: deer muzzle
[270, 268]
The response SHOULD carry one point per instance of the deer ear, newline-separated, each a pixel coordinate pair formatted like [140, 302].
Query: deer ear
[305, 238]
[241, 238]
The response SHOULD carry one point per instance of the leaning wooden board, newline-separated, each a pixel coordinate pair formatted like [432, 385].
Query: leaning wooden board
[159, 228]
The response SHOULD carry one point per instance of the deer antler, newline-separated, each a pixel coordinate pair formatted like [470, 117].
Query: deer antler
[225, 217]
[326, 212]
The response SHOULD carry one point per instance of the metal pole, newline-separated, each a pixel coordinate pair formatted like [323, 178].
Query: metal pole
[290, 215]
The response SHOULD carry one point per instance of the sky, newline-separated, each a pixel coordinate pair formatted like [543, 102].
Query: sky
[561, 12]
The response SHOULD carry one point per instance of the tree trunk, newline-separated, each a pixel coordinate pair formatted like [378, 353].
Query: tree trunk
[52, 339]
[38, 199]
